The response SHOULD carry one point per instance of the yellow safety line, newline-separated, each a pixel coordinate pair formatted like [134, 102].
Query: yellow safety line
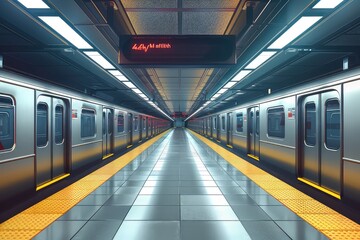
[326, 220]
[320, 188]
[52, 181]
[33, 220]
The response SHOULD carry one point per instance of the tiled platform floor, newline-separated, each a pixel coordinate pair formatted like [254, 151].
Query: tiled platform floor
[181, 190]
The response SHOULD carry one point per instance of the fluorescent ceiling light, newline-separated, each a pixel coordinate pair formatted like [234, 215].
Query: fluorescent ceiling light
[221, 91]
[66, 31]
[241, 75]
[99, 59]
[263, 57]
[136, 90]
[230, 84]
[34, 4]
[115, 73]
[213, 98]
[129, 84]
[303, 24]
[327, 4]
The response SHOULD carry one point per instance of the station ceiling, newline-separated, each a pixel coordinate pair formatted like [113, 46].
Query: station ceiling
[31, 47]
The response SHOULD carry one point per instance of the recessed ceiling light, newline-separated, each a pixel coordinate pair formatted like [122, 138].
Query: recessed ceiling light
[34, 4]
[263, 57]
[129, 84]
[230, 84]
[327, 4]
[99, 59]
[61, 27]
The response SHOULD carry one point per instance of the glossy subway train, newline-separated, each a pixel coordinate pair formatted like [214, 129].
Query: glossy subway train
[311, 133]
[46, 133]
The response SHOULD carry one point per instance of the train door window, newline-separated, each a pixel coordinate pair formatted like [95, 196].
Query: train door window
[144, 123]
[257, 125]
[120, 123]
[103, 123]
[223, 122]
[332, 124]
[239, 122]
[6, 123]
[136, 123]
[276, 122]
[250, 122]
[42, 126]
[215, 123]
[88, 128]
[59, 124]
[110, 123]
[310, 125]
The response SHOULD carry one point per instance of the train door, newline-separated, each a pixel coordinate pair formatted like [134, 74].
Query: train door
[253, 133]
[320, 160]
[211, 127]
[130, 129]
[108, 132]
[51, 141]
[218, 128]
[150, 127]
[229, 129]
[140, 127]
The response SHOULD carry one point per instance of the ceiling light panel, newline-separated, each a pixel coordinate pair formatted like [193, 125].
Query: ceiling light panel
[221, 91]
[241, 75]
[230, 84]
[129, 84]
[61, 27]
[99, 59]
[39, 4]
[136, 90]
[327, 4]
[303, 24]
[263, 57]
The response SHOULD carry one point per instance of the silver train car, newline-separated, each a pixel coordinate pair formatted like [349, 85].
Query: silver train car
[47, 133]
[310, 133]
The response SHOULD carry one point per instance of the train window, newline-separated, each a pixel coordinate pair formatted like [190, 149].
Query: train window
[6, 123]
[120, 123]
[215, 125]
[110, 123]
[223, 122]
[332, 123]
[136, 123]
[59, 124]
[310, 124]
[103, 123]
[257, 123]
[144, 123]
[88, 127]
[276, 122]
[239, 122]
[250, 122]
[42, 126]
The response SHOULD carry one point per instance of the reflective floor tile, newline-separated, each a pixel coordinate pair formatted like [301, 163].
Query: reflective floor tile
[199, 190]
[299, 230]
[111, 213]
[133, 183]
[161, 184]
[159, 190]
[255, 190]
[163, 178]
[80, 213]
[128, 190]
[265, 200]
[113, 184]
[148, 230]
[138, 177]
[163, 200]
[239, 199]
[104, 230]
[195, 178]
[261, 230]
[121, 199]
[222, 177]
[280, 213]
[221, 183]
[197, 184]
[60, 230]
[94, 200]
[202, 200]
[105, 190]
[154, 213]
[207, 213]
[250, 212]
[213, 230]
[231, 190]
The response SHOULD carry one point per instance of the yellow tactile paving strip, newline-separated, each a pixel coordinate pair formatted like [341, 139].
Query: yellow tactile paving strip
[329, 222]
[33, 220]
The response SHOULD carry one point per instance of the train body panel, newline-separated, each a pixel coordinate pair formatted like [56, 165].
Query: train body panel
[311, 132]
[47, 132]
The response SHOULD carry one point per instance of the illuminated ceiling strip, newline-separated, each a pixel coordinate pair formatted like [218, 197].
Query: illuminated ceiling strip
[327, 4]
[221, 91]
[129, 84]
[31, 4]
[263, 57]
[242, 74]
[136, 90]
[230, 84]
[99, 59]
[303, 24]
[61, 27]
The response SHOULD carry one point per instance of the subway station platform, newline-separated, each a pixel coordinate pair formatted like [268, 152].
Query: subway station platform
[179, 185]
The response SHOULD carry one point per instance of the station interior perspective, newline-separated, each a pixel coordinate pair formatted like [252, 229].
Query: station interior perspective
[179, 184]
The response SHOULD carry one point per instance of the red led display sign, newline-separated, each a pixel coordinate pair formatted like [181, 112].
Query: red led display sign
[209, 50]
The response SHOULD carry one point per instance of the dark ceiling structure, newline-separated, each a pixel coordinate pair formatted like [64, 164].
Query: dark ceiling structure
[28, 45]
